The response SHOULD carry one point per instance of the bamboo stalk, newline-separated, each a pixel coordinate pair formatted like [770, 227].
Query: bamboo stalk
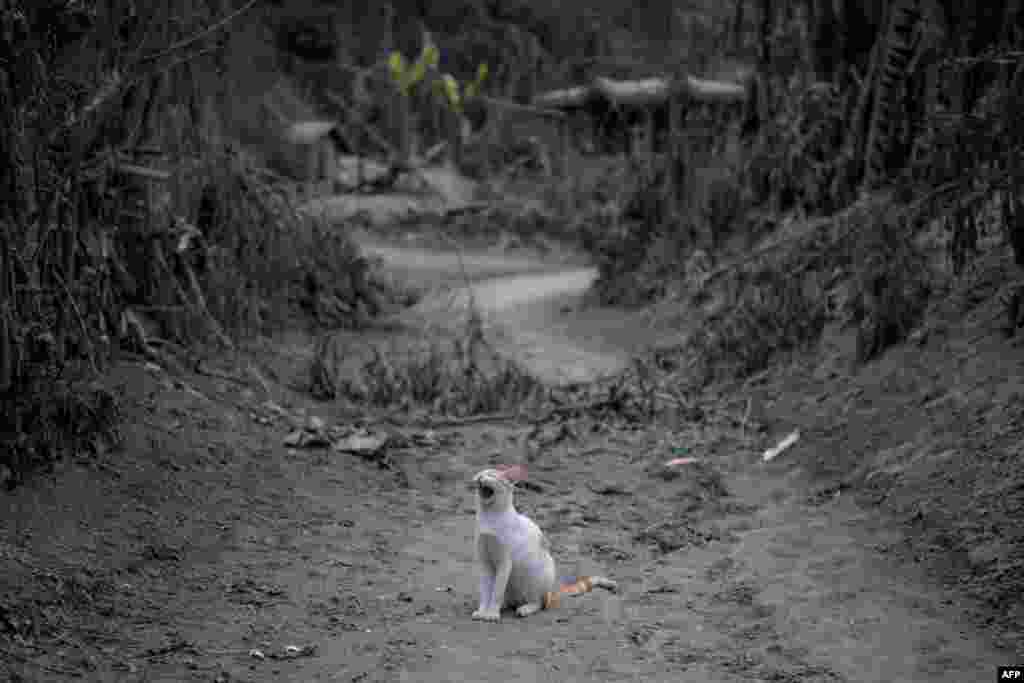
[200, 300]
[81, 322]
[6, 348]
[6, 322]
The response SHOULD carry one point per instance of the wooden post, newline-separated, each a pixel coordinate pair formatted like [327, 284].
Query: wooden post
[650, 141]
[673, 152]
[498, 128]
[485, 138]
[312, 167]
[498, 106]
[453, 126]
[630, 132]
[563, 135]
[400, 114]
[7, 359]
[531, 87]
[330, 165]
[437, 114]
[496, 135]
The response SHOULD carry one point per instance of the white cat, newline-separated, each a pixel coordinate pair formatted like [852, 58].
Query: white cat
[516, 566]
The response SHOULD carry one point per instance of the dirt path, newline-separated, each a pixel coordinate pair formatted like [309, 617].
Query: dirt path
[206, 548]
[532, 310]
[522, 313]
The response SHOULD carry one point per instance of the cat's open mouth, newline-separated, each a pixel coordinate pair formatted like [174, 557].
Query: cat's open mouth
[486, 492]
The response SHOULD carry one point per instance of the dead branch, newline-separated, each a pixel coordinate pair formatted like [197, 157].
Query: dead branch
[200, 370]
[212, 28]
[200, 301]
[471, 419]
[522, 108]
[81, 321]
[161, 260]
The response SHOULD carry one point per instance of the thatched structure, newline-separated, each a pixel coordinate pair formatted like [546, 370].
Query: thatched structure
[613, 106]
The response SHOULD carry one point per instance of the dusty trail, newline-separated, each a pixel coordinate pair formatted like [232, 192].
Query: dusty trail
[218, 541]
[786, 589]
[521, 314]
[531, 310]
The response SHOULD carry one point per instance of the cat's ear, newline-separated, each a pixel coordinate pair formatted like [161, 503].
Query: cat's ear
[512, 473]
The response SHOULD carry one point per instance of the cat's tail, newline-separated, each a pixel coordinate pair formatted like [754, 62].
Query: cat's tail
[577, 585]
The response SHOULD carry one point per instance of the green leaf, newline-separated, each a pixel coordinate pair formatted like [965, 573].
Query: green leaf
[430, 55]
[474, 88]
[451, 91]
[417, 73]
[397, 64]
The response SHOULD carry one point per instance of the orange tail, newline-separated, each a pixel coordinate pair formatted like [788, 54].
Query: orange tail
[583, 584]
[576, 586]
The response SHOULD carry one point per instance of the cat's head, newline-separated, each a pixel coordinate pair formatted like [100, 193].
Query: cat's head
[495, 488]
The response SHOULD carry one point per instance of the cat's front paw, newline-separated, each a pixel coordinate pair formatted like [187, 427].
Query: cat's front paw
[487, 615]
[528, 609]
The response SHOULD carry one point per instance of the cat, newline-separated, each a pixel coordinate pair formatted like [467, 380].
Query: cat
[516, 566]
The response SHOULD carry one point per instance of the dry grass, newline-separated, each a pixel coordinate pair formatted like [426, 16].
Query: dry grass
[446, 374]
[55, 417]
[891, 288]
[262, 250]
[855, 269]
[770, 313]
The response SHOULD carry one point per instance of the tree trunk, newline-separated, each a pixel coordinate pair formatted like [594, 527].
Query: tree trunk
[767, 26]
[827, 32]
[897, 52]
[737, 27]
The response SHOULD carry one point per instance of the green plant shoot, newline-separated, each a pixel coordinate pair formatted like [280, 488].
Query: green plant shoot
[406, 77]
[448, 87]
[473, 89]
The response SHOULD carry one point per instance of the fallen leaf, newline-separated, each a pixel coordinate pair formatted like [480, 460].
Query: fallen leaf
[293, 651]
[360, 444]
[773, 453]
